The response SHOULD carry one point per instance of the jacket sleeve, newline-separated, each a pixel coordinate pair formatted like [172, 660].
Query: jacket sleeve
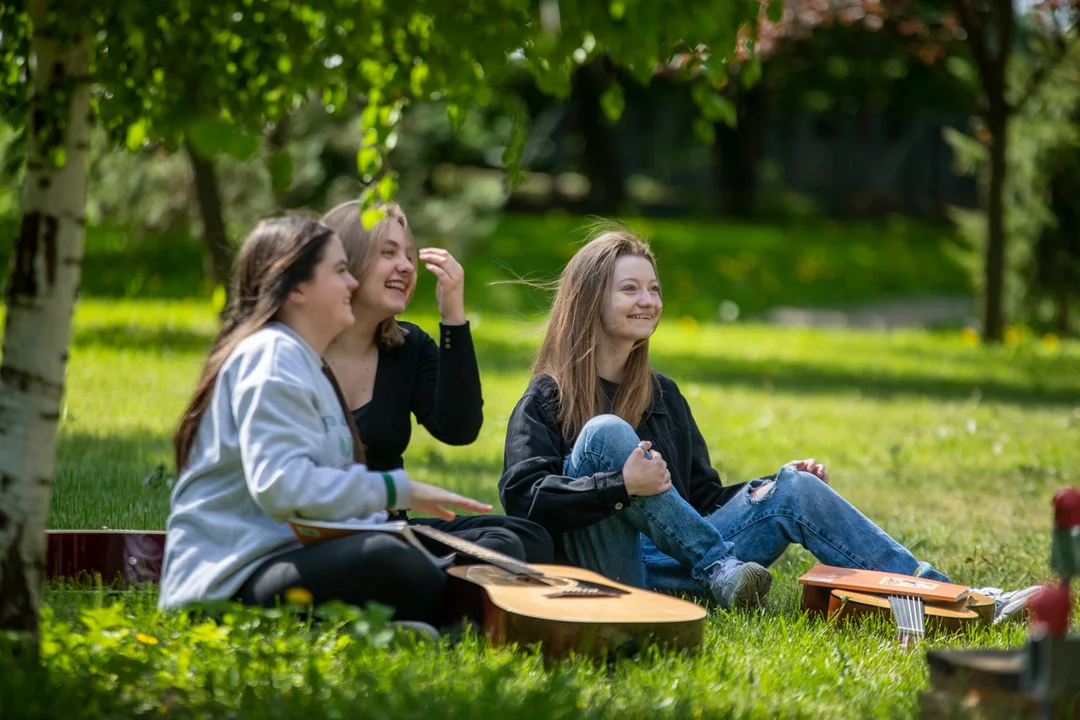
[447, 398]
[532, 485]
[706, 491]
[281, 434]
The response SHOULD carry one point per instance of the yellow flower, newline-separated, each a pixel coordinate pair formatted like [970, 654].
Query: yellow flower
[1012, 336]
[299, 596]
[971, 336]
[688, 323]
[1051, 342]
[146, 639]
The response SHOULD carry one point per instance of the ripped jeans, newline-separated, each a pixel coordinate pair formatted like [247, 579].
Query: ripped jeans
[769, 514]
[792, 507]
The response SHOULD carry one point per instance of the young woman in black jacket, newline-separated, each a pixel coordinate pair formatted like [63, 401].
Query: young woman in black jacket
[578, 446]
[390, 370]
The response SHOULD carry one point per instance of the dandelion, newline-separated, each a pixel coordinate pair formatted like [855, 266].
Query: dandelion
[971, 336]
[299, 596]
[146, 639]
[688, 323]
[1051, 342]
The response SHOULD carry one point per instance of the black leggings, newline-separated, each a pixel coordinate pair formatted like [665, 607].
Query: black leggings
[382, 567]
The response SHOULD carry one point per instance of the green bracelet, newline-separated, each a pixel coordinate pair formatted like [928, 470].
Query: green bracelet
[391, 491]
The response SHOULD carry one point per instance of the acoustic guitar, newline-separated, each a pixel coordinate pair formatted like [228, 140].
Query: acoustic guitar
[845, 594]
[124, 557]
[564, 609]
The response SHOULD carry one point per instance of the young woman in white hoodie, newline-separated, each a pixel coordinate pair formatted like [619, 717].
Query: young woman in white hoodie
[265, 437]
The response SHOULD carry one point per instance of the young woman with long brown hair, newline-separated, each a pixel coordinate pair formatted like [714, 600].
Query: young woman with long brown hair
[391, 371]
[578, 445]
[265, 437]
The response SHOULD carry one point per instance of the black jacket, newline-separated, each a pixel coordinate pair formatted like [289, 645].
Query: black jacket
[438, 383]
[533, 487]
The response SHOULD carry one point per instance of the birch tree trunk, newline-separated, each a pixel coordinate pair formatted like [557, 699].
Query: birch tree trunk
[40, 296]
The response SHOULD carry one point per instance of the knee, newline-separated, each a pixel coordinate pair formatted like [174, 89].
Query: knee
[608, 431]
[388, 557]
[536, 544]
[794, 487]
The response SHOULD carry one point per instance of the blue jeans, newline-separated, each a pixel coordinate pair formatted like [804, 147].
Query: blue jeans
[795, 507]
[614, 547]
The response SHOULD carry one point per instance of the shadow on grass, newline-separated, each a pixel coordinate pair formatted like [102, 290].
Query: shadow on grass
[1048, 384]
[142, 337]
[810, 379]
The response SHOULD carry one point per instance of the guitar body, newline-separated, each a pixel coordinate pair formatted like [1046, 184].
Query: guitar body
[126, 557]
[516, 609]
[848, 605]
[847, 594]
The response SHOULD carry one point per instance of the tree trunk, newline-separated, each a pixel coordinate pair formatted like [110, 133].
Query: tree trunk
[738, 152]
[219, 251]
[994, 279]
[40, 294]
[607, 189]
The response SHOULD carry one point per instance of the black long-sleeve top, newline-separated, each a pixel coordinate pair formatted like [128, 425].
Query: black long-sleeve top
[438, 383]
[533, 486]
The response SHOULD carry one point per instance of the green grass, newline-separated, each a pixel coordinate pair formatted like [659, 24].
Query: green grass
[954, 449]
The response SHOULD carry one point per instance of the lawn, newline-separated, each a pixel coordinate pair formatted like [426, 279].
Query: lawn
[954, 448]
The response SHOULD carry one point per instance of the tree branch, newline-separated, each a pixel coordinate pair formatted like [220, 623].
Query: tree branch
[976, 41]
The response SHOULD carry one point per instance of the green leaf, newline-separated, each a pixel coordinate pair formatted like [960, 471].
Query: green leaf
[613, 102]
[617, 9]
[705, 131]
[242, 146]
[136, 135]
[773, 10]
[211, 137]
[387, 188]
[417, 77]
[371, 216]
[280, 166]
[457, 116]
[750, 73]
[368, 160]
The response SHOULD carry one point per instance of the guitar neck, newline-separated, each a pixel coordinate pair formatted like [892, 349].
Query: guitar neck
[491, 557]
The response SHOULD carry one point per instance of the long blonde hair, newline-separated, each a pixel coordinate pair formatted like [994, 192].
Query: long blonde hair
[361, 247]
[574, 328]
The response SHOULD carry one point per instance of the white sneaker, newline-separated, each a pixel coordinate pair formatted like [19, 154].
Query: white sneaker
[735, 584]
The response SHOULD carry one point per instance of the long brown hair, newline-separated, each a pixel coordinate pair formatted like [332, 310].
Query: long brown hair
[362, 245]
[574, 328]
[278, 255]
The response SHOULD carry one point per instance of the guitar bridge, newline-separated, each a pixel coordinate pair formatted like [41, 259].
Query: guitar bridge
[586, 592]
[584, 588]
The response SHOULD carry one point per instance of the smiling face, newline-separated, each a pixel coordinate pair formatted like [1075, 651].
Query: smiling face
[633, 306]
[390, 279]
[326, 298]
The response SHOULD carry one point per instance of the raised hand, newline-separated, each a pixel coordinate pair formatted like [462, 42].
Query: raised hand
[645, 476]
[450, 290]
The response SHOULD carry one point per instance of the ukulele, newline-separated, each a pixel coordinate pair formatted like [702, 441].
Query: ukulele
[565, 609]
[126, 557]
[845, 594]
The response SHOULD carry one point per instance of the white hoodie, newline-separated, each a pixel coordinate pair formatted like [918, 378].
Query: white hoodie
[272, 443]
